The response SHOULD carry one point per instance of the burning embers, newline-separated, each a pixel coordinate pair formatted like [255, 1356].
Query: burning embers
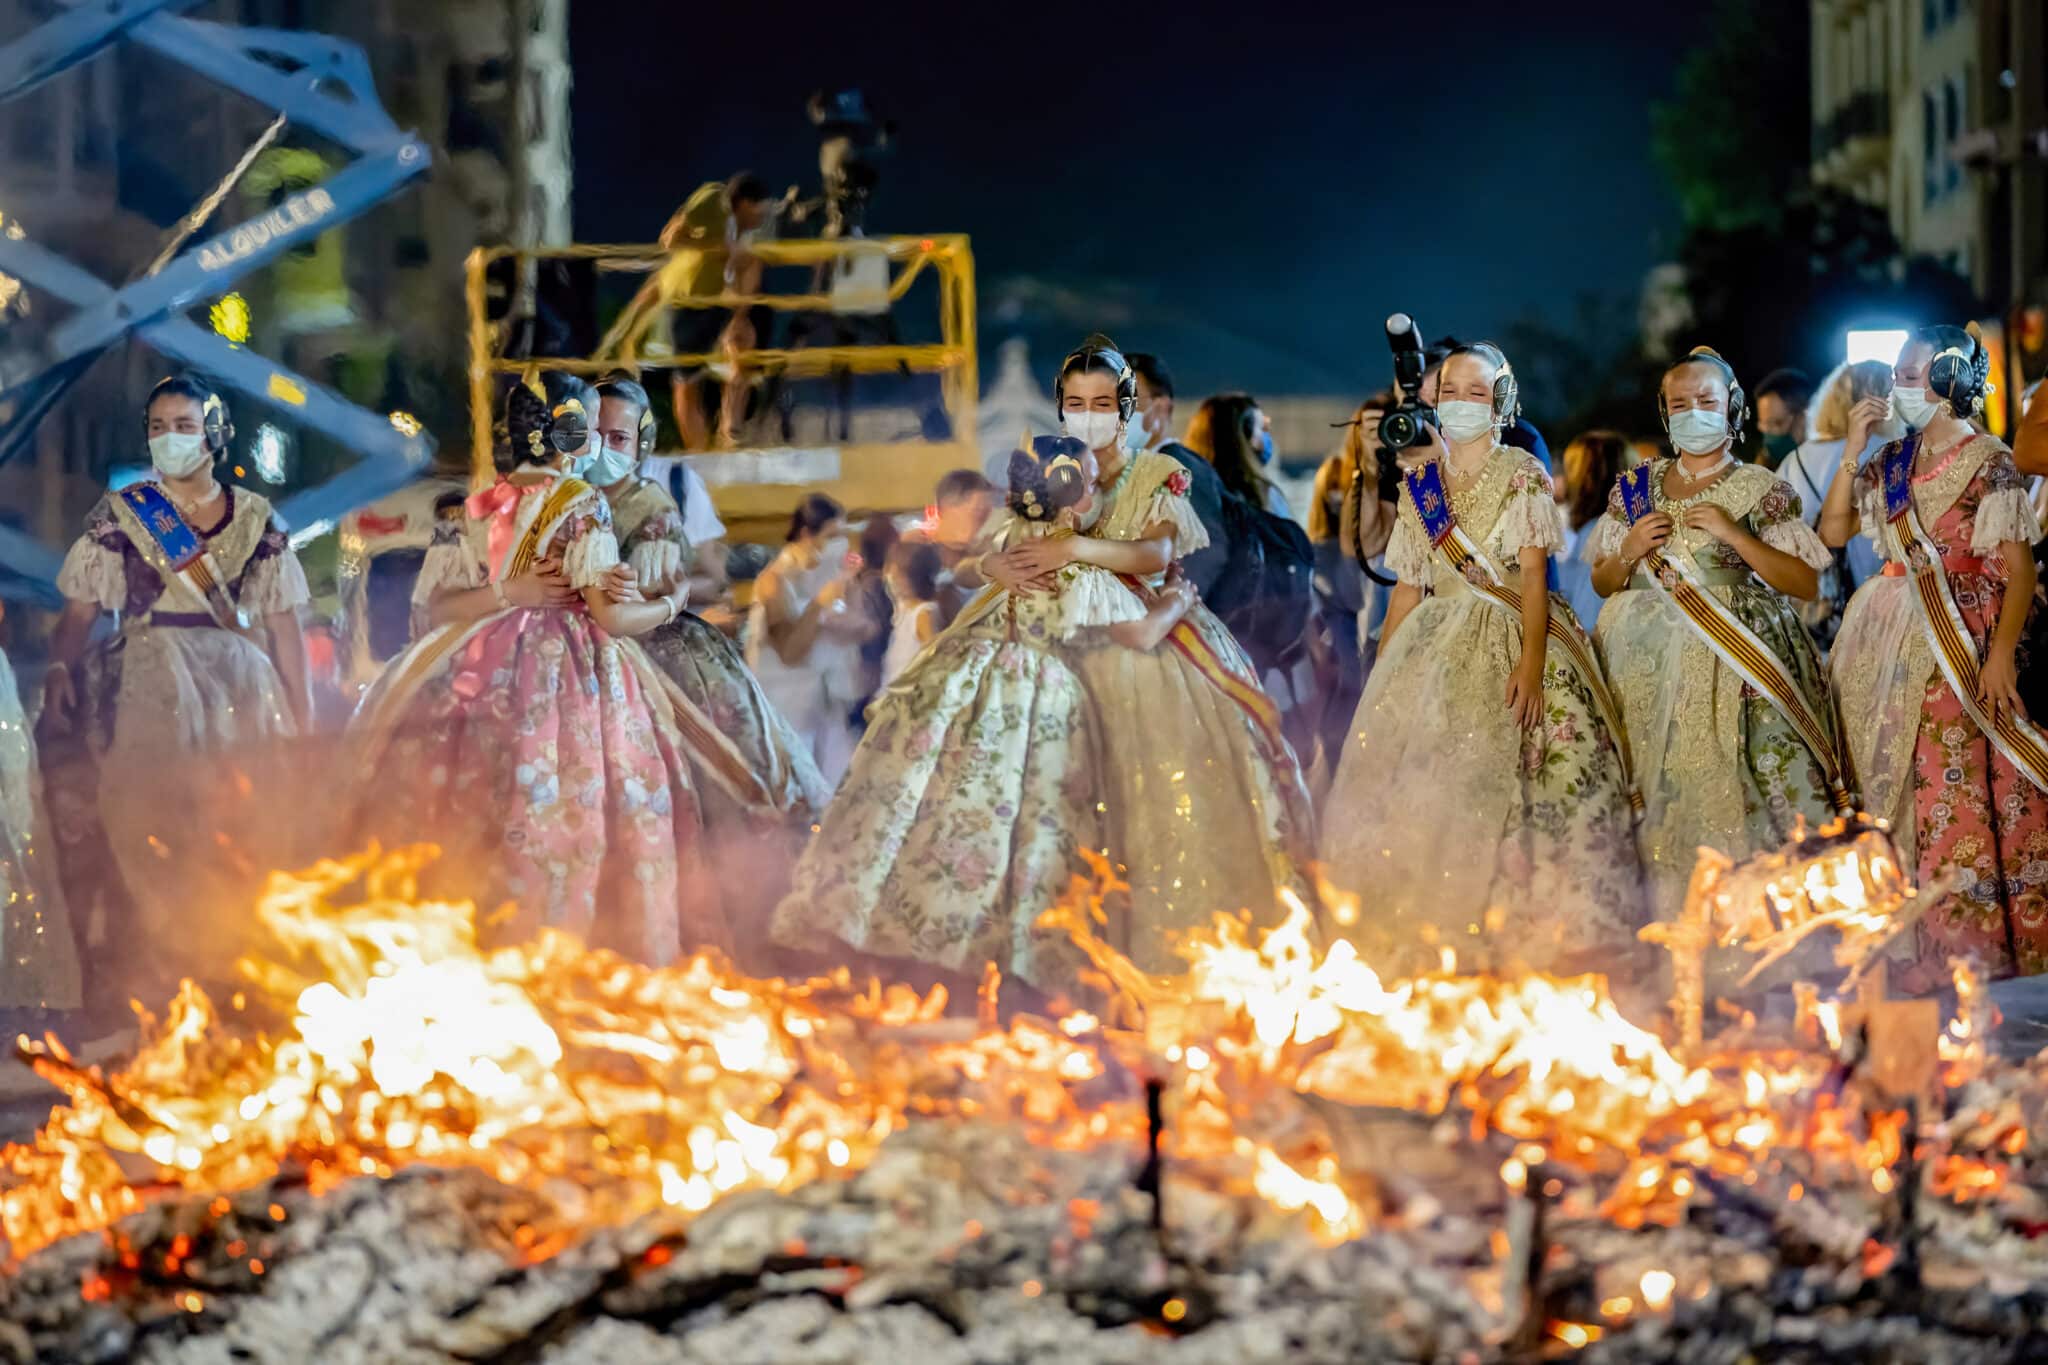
[1553, 1172]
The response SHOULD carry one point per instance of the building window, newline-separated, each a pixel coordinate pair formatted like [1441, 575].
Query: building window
[1930, 149]
[1930, 15]
[1952, 121]
[1952, 7]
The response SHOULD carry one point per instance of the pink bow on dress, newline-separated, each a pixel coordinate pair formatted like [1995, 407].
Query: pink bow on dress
[499, 505]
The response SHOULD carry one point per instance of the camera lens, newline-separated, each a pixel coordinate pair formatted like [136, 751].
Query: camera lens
[1397, 430]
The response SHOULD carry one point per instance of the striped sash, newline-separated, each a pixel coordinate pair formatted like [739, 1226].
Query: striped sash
[176, 551]
[1955, 649]
[1470, 562]
[1736, 645]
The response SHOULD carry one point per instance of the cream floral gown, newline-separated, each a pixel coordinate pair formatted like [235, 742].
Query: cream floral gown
[972, 793]
[1718, 764]
[1515, 847]
[1204, 798]
[38, 959]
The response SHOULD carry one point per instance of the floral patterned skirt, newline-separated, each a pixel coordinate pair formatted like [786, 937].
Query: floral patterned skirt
[961, 816]
[531, 752]
[710, 671]
[1718, 765]
[1446, 818]
[1979, 816]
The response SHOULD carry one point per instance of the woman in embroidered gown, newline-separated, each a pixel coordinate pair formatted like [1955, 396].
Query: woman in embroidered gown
[1975, 811]
[697, 655]
[529, 735]
[1719, 763]
[1481, 776]
[979, 779]
[166, 742]
[1206, 803]
[38, 959]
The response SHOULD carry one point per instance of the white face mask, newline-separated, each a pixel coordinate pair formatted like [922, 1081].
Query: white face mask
[1096, 429]
[178, 453]
[1914, 407]
[1699, 431]
[611, 465]
[1464, 420]
[1137, 433]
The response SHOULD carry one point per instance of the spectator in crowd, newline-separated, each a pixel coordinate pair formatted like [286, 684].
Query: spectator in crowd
[1521, 434]
[1781, 401]
[1235, 436]
[1152, 429]
[2030, 439]
[913, 574]
[709, 233]
[1344, 510]
[879, 538]
[1591, 465]
[960, 511]
[1810, 469]
[805, 630]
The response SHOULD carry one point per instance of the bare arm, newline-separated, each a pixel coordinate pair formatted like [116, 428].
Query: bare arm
[542, 585]
[1838, 520]
[67, 642]
[1612, 572]
[1525, 685]
[288, 653]
[1406, 597]
[1998, 680]
[1158, 622]
[630, 618]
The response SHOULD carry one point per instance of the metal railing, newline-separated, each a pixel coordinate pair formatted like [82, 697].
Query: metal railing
[625, 344]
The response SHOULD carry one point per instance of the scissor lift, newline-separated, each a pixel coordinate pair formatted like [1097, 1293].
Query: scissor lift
[315, 82]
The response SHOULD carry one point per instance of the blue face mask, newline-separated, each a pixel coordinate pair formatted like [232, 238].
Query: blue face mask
[1265, 447]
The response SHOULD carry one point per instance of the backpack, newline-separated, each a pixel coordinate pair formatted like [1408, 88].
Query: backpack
[1266, 592]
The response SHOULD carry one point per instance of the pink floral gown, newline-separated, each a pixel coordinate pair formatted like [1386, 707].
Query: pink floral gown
[540, 752]
[1973, 811]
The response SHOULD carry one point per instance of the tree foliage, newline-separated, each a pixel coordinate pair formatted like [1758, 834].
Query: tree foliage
[1733, 137]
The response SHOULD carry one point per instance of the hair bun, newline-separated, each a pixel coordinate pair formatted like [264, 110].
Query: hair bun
[1705, 353]
[1046, 477]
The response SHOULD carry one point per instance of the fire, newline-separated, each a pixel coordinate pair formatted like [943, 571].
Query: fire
[395, 1040]
[407, 1043]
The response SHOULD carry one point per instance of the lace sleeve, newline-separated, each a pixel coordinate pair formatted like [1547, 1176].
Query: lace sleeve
[1612, 528]
[2004, 516]
[1779, 524]
[1092, 597]
[450, 566]
[1169, 503]
[592, 549]
[1408, 548]
[1531, 518]
[276, 581]
[94, 573]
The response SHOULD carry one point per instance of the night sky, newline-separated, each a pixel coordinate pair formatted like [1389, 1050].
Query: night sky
[1245, 189]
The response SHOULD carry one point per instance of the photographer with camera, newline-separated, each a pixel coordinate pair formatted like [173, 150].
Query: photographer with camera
[1486, 768]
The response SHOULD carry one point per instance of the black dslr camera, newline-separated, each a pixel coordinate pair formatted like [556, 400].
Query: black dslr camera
[1401, 428]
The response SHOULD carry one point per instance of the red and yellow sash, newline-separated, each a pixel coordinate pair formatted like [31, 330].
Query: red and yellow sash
[1955, 649]
[1470, 562]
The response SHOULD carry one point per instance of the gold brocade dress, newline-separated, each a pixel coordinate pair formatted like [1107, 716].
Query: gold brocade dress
[1444, 810]
[1718, 764]
[1206, 810]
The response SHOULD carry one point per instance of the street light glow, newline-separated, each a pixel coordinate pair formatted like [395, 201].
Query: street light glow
[1875, 343]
